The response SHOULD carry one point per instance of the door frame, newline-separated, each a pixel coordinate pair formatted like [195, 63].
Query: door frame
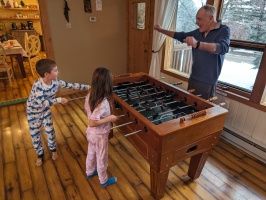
[46, 29]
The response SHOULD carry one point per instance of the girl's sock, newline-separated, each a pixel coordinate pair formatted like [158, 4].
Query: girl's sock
[110, 181]
[93, 174]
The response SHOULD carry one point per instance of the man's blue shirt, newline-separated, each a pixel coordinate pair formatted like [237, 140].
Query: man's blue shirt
[207, 66]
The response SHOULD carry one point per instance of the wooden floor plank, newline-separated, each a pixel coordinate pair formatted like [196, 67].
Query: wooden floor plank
[209, 181]
[133, 151]
[233, 194]
[255, 163]
[226, 146]
[255, 181]
[38, 177]
[239, 188]
[181, 170]
[77, 134]
[72, 192]
[11, 184]
[125, 186]
[53, 182]
[178, 183]
[60, 122]
[60, 140]
[28, 195]
[260, 175]
[85, 190]
[225, 161]
[24, 128]
[124, 167]
[9, 155]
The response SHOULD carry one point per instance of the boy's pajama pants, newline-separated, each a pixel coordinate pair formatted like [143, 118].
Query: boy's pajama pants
[35, 120]
[97, 156]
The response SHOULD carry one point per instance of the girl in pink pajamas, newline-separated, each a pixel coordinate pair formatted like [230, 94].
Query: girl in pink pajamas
[97, 105]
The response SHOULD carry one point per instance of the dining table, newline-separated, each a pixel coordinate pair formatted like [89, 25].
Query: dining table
[14, 48]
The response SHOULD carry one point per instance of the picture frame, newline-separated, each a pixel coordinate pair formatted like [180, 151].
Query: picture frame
[87, 6]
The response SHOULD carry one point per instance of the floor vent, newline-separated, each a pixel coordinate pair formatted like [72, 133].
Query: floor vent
[245, 139]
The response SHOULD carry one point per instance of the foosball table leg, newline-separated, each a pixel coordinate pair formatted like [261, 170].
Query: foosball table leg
[196, 165]
[158, 183]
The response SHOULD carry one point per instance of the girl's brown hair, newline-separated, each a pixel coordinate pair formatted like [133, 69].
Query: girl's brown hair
[101, 87]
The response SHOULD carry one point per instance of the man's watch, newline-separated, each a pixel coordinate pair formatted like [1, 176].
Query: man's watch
[198, 44]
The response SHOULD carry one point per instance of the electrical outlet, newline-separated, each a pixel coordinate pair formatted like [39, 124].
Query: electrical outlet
[68, 25]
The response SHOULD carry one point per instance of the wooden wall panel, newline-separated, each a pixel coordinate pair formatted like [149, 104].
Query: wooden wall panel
[250, 122]
[259, 132]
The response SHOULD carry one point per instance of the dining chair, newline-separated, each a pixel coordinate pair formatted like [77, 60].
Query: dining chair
[4, 67]
[32, 48]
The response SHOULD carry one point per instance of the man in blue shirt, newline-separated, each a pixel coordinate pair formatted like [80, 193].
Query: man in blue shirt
[209, 44]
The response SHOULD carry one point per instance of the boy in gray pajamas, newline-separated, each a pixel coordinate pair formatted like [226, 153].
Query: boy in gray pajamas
[42, 96]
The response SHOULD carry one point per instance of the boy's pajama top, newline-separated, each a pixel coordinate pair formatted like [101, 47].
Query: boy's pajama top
[42, 96]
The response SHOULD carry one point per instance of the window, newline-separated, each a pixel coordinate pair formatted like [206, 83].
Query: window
[240, 68]
[246, 20]
[243, 63]
[180, 58]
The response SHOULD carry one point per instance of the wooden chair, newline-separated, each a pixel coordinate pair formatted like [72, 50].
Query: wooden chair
[32, 47]
[4, 67]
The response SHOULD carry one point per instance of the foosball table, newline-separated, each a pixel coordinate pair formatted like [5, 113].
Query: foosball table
[166, 125]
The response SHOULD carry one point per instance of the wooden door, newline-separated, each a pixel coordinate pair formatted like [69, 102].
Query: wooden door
[140, 35]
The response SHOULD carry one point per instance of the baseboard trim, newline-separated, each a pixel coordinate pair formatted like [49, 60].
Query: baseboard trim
[244, 144]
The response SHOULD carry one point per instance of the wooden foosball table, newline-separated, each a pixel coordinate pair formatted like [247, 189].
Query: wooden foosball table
[166, 125]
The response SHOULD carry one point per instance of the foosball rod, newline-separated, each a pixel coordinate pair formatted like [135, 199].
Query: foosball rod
[144, 95]
[126, 135]
[22, 100]
[135, 93]
[77, 98]
[121, 125]
[133, 87]
[12, 102]
[163, 104]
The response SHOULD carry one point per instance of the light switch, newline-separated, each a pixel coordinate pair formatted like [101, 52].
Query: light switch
[93, 19]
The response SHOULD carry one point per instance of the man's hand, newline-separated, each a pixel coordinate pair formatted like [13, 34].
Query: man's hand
[157, 27]
[64, 100]
[191, 41]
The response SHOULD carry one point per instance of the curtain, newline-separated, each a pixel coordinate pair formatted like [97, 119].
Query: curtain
[163, 15]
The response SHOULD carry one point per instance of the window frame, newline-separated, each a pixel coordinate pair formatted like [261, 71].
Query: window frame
[252, 99]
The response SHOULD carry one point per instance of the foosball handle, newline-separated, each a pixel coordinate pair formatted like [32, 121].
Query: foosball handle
[177, 83]
[222, 104]
[191, 90]
[123, 75]
[194, 115]
[198, 114]
[213, 98]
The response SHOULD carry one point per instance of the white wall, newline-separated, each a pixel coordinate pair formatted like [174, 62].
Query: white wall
[87, 45]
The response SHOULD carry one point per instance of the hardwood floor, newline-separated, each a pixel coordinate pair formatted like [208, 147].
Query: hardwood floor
[228, 173]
